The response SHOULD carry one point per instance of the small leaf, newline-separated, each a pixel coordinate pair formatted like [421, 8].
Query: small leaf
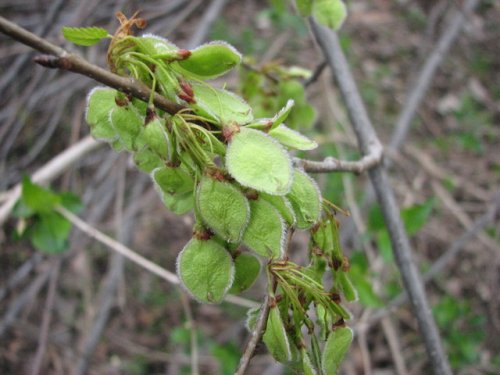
[252, 315]
[335, 349]
[293, 139]
[37, 198]
[71, 202]
[282, 115]
[100, 102]
[175, 187]
[223, 207]
[247, 269]
[266, 232]
[220, 105]
[179, 204]
[84, 36]
[257, 161]
[276, 338]
[154, 45]
[155, 136]
[307, 364]
[211, 60]
[50, 233]
[330, 13]
[305, 198]
[206, 270]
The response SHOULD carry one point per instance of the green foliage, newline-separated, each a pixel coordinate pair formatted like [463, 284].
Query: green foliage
[335, 349]
[85, 36]
[330, 13]
[246, 271]
[48, 231]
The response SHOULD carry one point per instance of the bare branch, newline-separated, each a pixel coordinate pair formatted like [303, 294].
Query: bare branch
[136, 258]
[61, 59]
[331, 164]
[50, 171]
[367, 137]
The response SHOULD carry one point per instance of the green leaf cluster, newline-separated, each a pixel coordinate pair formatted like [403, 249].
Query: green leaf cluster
[47, 230]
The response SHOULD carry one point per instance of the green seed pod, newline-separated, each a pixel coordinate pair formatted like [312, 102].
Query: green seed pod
[172, 180]
[348, 290]
[147, 160]
[283, 205]
[329, 13]
[266, 231]
[179, 204]
[211, 60]
[220, 105]
[307, 364]
[100, 102]
[206, 270]
[128, 124]
[258, 161]
[305, 198]
[155, 137]
[223, 208]
[293, 139]
[335, 349]
[276, 338]
[247, 269]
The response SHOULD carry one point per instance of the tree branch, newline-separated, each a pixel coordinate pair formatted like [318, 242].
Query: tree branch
[330, 164]
[367, 138]
[61, 59]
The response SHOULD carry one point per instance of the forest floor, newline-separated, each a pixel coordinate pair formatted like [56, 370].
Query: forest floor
[87, 311]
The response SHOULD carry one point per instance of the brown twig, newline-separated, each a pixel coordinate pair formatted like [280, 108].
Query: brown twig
[57, 57]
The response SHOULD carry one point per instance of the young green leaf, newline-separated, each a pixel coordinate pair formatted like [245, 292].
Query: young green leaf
[128, 124]
[307, 364]
[252, 315]
[155, 136]
[147, 160]
[206, 270]
[291, 138]
[257, 161]
[283, 205]
[211, 60]
[172, 180]
[335, 349]
[50, 233]
[247, 269]
[37, 198]
[282, 115]
[330, 13]
[223, 208]
[276, 338]
[85, 36]
[349, 291]
[305, 198]
[266, 231]
[100, 103]
[179, 204]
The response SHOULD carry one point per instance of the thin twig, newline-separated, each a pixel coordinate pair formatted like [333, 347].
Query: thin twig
[47, 317]
[59, 58]
[54, 168]
[367, 137]
[195, 368]
[136, 258]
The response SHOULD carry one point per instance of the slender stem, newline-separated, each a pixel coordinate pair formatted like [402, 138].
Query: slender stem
[59, 58]
[367, 138]
[195, 368]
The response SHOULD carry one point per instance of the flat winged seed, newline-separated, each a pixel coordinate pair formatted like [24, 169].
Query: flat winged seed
[147, 160]
[220, 105]
[275, 337]
[246, 271]
[206, 270]
[305, 198]
[172, 180]
[211, 60]
[155, 137]
[258, 161]
[330, 13]
[100, 102]
[266, 231]
[282, 115]
[349, 291]
[291, 138]
[283, 205]
[223, 208]
[128, 124]
[335, 349]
